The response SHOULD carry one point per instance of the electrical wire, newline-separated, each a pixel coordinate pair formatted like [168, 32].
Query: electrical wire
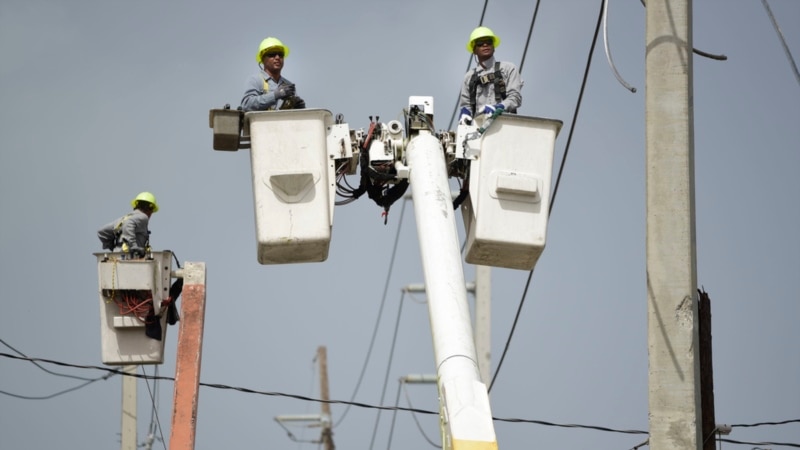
[365, 405]
[380, 314]
[696, 51]
[388, 366]
[530, 32]
[469, 64]
[608, 49]
[555, 189]
[414, 416]
[39, 366]
[155, 422]
[783, 40]
[783, 444]
[88, 381]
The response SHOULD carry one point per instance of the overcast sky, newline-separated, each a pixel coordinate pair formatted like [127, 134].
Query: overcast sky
[103, 99]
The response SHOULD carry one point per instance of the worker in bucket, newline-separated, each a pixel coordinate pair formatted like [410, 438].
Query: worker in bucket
[268, 90]
[493, 87]
[130, 233]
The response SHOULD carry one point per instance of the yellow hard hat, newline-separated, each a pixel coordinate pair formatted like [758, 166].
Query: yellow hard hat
[481, 32]
[269, 43]
[145, 197]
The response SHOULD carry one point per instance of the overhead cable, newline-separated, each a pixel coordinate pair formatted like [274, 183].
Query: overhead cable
[362, 405]
[555, 189]
[469, 64]
[380, 314]
[783, 41]
[608, 49]
[388, 366]
[700, 52]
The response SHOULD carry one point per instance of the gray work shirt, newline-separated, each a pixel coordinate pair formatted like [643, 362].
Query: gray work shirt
[133, 231]
[256, 98]
[485, 92]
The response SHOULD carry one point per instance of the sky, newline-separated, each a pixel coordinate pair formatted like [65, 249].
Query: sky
[104, 99]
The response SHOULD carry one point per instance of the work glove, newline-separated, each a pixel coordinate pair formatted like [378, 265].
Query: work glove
[137, 253]
[283, 91]
[299, 103]
[498, 108]
[466, 116]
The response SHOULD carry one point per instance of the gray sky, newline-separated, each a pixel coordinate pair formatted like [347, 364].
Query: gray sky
[104, 99]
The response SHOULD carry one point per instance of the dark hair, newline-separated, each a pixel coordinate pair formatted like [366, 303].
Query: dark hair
[144, 205]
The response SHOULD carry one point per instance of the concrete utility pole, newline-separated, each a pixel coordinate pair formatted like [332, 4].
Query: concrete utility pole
[672, 336]
[327, 432]
[129, 428]
[190, 350]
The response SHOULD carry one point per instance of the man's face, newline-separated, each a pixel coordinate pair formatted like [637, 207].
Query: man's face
[484, 48]
[272, 58]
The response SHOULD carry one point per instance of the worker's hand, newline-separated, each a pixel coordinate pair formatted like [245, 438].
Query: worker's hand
[496, 109]
[299, 103]
[283, 91]
[466, 116]
[137, 253]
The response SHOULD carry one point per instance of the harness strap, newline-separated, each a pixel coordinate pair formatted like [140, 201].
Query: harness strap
[495, 77]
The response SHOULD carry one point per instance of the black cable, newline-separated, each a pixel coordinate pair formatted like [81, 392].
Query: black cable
[784, 444]
[696, 51]
[469, 64]
[558, 181]
[362, 405]
[380, 313]
[155, 422]
[414, 416]
[388, 365]
[37, 365]
[783, 41]
[47, 397]
[530, 32]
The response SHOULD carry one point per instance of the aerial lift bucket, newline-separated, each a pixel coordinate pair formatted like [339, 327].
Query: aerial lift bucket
[128, 288]
[293, 183]
[507, 210]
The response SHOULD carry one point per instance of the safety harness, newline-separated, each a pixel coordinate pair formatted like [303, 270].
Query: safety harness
[495, 77]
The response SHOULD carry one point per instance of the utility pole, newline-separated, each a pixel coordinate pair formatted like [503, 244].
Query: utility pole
[327, 432]
[187, 364]
[672, 335]
[483, 321]
[129, 427]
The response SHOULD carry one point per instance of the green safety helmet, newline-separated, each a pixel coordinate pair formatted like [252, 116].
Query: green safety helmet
[269, 43]
[481, 32]
[145, 197]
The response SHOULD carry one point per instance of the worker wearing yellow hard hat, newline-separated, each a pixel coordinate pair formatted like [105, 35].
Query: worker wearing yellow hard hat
[130, 233]
[492, 87]
[268, 89]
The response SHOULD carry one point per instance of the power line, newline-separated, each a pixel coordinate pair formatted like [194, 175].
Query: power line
[388, 368]
[365, 405]
[530, 32]
[88, 381]
[558, 182]
[469, 64]
[380, 314]
[783, 41]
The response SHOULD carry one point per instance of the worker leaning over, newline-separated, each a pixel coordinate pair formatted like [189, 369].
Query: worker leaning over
[130, 233]
[493, 85]
[268, 90]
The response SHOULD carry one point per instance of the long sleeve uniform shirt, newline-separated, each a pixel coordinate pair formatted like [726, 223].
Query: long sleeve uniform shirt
[256, 98]
[133, 231]
[485, 92]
